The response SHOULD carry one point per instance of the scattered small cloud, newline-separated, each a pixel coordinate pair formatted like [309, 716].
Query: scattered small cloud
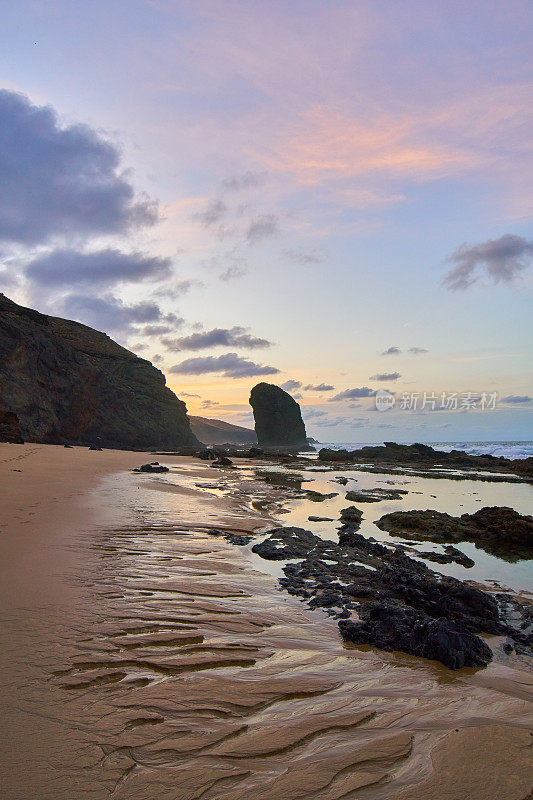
[290, 385]
[209, 403]
[391, 351]
[302, 257]
[157, 358]
[319, 387]
[263, 227]
[385, 376]
[313, 413]
[353, 394]
[232, 273]
[230, 365]
[218, 337]
[246, 180]
[501, 259]
[417, 351]
[516, 398]
[190, 394]
[212, 214]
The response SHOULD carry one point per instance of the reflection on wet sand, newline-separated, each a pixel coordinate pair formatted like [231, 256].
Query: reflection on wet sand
[166, 666]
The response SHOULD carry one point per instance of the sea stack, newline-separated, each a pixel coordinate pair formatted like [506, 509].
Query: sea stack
[278, 419]
[62, 382]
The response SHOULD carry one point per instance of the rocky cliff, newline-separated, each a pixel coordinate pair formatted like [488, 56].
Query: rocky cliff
[278, 420]
[68, 383]
[216, 431]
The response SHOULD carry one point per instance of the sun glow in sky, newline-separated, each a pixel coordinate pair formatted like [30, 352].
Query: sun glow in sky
[333, 196]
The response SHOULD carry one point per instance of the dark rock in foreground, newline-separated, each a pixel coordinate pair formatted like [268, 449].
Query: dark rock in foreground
[154, 467]
[10, 428]
[278, 420]
[401, 604]
[498, 530]
[421, 456]
[70, 384]
[374, 495]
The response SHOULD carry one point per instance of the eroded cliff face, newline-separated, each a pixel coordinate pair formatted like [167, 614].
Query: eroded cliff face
[278, 419]
[68, 383]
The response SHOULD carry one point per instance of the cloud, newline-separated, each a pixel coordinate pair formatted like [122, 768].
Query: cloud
[60, 181]
[385, 376]
[232, 273]
[502, 260]
[230, 365]
[155, 330]
[313, 413]
[290, 385]
[516, 398]
[246, 180]
[214, 212]
[189, 394]
[109, 313]
[218, 337]
[157, 358]
[209, 403]
[301, 257]
[320, 387]
[391, 351]
[65, 267]
[353, 394]
[262, 227]
[417, 351]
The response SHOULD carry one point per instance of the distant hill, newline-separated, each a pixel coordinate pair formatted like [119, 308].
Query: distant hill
[215, 431]
[68, 383]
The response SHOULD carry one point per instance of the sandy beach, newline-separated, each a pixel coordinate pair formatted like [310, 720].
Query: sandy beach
[145, 657]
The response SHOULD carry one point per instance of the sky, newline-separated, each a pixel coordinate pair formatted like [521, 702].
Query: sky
[333, 197]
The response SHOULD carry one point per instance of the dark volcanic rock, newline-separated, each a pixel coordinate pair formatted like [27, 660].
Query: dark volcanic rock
[401, 604]
[10, 428]
[68, 383]
[392, 627]
[498, 530]
[351, 516]
[423, 457]
[374, 495]
[155, 467]
[278, 420]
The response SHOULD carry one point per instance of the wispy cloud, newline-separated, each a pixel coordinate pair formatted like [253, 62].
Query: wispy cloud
[263, 227]
[385, 376]
[67, 267]
[319, 387]
[290, 385]
[502, 260]
[391, 351]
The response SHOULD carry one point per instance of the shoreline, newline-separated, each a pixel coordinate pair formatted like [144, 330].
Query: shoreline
[145, 651]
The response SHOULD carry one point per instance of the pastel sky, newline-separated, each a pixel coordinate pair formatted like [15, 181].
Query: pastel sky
[332, 196]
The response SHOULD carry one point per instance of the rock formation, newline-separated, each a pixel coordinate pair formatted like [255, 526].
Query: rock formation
[278, 420]
[68, 383]
[216, 431]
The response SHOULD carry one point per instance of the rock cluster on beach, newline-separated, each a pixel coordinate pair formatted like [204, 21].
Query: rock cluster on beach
[422, 457]
[278, 419]
[498, 530]
[68, 383]
[400, 603]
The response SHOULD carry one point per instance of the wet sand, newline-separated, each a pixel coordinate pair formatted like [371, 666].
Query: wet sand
[144, 657]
